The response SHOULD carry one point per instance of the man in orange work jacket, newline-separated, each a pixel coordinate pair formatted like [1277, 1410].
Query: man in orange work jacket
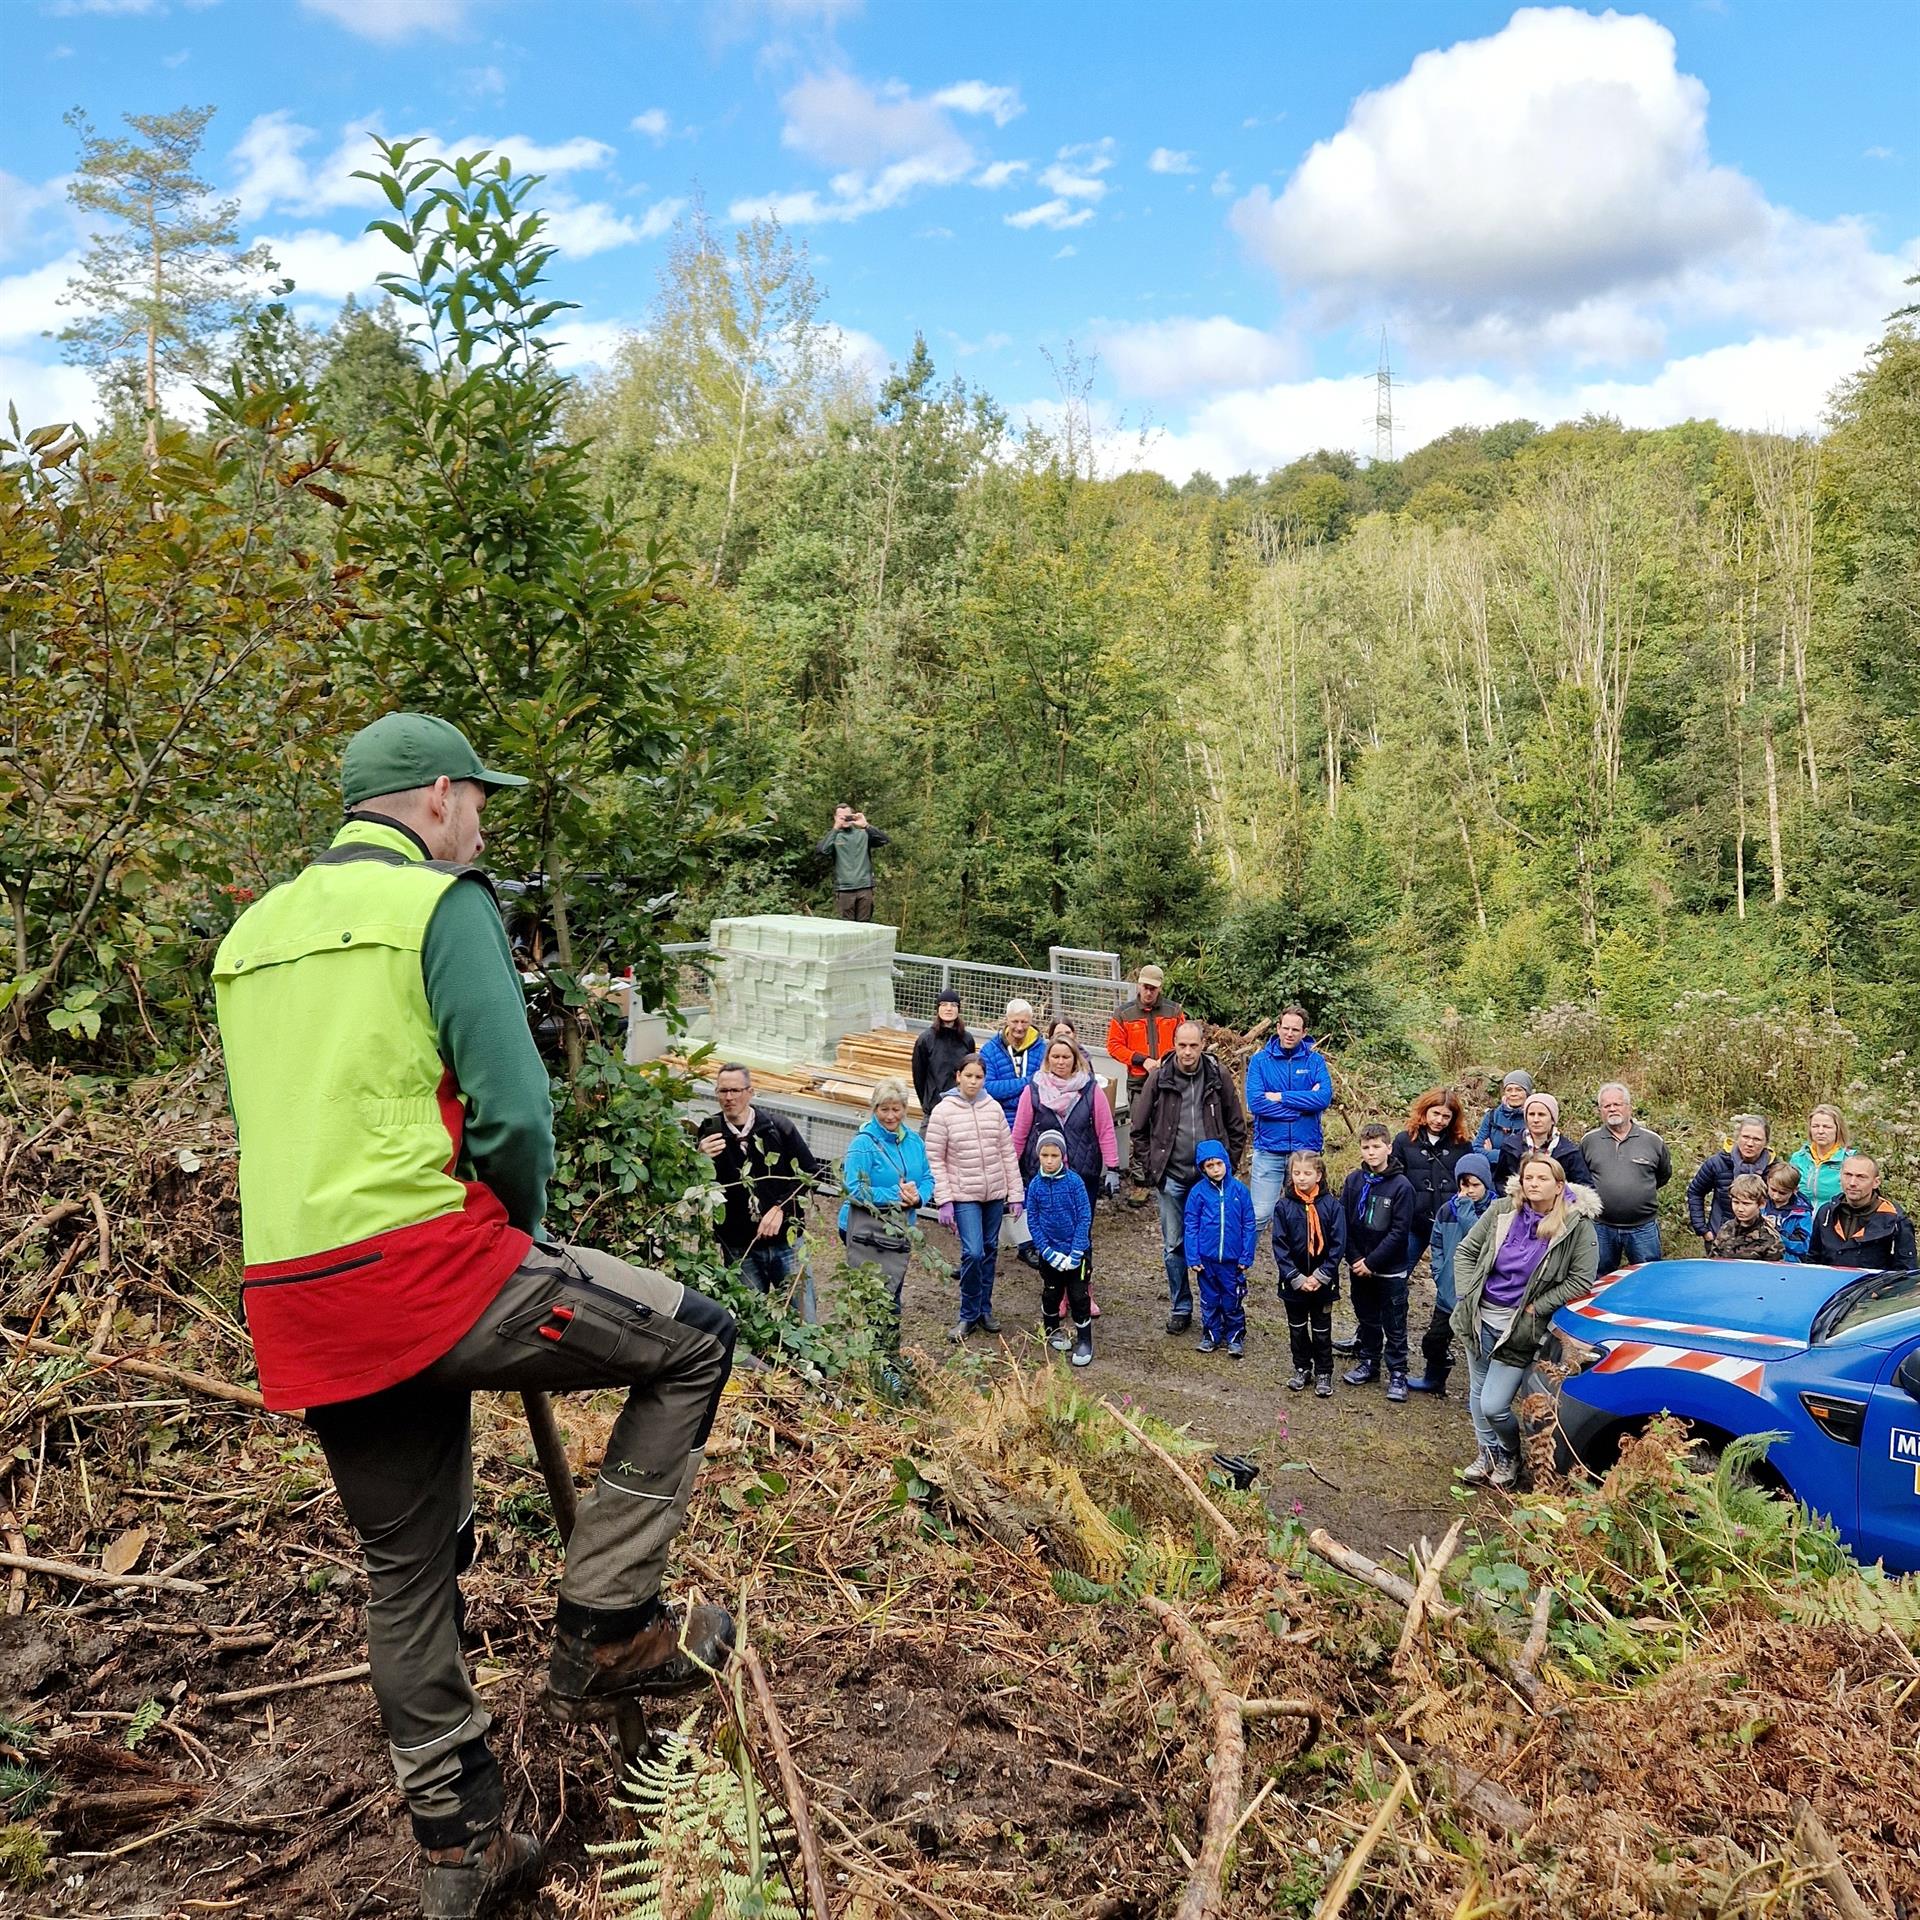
[396, 1136]
[1140, 1036]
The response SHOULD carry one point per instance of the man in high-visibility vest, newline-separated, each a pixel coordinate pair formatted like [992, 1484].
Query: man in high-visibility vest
[396, 1137]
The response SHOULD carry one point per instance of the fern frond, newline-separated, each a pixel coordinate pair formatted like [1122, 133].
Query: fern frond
[692, 1858]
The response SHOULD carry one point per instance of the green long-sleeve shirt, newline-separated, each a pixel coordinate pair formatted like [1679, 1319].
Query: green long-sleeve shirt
[480, 1013]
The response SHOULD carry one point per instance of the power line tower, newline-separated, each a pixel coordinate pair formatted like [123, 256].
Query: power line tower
[1383, 405]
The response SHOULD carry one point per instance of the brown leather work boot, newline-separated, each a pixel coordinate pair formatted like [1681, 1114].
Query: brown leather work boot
[456, 1883]
[600, 1658]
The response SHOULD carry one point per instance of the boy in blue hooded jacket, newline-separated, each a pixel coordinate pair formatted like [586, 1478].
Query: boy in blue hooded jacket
[1220, 1241]
[1060, 1218]
[1472, 1190]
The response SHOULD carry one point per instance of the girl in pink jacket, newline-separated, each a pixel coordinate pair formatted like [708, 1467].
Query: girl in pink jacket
[976, 1183]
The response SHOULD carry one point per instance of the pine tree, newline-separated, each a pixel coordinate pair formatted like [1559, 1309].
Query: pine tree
[162, 280]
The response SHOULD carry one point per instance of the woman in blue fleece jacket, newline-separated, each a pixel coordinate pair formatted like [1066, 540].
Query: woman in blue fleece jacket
[1220, 1240]
[1060, 1218]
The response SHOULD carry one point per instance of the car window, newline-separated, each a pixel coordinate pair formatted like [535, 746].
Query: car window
[1874, 1296]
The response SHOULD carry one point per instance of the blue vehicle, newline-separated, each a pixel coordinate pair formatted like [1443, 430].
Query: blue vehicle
[1829, 1356]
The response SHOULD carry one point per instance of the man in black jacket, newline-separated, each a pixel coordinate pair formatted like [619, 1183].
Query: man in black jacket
[938, 1052]
[764, 1168]
[1863, 1228]
[1188, 1100]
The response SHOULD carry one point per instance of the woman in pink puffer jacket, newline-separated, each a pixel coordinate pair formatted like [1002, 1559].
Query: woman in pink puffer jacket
[976, 1182]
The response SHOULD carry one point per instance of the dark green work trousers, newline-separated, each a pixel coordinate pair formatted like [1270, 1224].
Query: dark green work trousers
[569, 1317]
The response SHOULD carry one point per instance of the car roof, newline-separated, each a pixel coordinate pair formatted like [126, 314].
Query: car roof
[1764, 1308]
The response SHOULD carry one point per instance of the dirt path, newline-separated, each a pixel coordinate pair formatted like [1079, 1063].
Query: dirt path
[1391, 1468]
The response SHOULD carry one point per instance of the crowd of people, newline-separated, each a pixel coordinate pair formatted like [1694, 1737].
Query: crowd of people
[1513, 1216]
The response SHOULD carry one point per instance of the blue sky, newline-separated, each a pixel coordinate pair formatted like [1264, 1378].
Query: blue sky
[1693, 209]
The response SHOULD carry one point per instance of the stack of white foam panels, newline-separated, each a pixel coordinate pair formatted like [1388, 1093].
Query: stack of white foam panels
[787, 986]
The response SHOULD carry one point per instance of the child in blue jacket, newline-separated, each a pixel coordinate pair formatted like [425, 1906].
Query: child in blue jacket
[1220, 1240]
[1472, 1189]
[1378, 1199]
[1060, 1218]
[1789, 1210]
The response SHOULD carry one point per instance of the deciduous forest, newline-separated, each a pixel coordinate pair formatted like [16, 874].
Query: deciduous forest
[1554, 743]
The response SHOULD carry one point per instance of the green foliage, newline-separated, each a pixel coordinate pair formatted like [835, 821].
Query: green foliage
[24, 1853]
[504, 598]
[1642, 1563]
[163, 680]
[147, 1716]
[24, 1789]
[1270, 952]
[628, 1177]
[708, 1846]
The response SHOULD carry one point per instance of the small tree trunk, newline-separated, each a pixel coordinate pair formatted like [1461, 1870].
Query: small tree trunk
[1773, 812]
[1473, 870]
[153, 341]
[733, 475]
[563, 948]
[1739, 840]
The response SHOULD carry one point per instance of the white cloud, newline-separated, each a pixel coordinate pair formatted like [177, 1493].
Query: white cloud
[1878, 153]
[1056, 214]
[274, 172]
[887, 142]
[1067, 252]
[1167, 160]
[578, 343]
[24, 207]
[179, 59]
[1075, 173]
[1563, 157]
[654, 123]
[331, 264]
[1222, 184]
[43, 392]
[484, 83]
[860, 353]
[1546, 194]
[1000, 174]
[1185, 355]
[659, 218]
[987, 343]
[390, 20]
[68, 9]
[589, 227]
[268, 159]
[30, 301]
[1777, 381]
[1000, 104]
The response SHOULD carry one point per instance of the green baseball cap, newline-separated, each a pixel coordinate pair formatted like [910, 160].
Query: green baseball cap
[403, 750]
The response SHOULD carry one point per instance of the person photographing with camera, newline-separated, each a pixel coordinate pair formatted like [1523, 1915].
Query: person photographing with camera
[849, 843]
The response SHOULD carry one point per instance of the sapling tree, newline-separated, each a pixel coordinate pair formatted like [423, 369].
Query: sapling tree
[504, 598]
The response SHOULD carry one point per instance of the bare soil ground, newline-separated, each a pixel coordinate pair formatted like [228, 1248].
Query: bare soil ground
[1375, 1475]
[982, 1719]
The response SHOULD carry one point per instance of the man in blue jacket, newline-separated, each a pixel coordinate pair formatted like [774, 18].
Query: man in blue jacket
[1288, 1089]
[1013, 1056]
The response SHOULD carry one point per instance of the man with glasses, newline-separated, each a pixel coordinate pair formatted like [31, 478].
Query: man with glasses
[765, 1169]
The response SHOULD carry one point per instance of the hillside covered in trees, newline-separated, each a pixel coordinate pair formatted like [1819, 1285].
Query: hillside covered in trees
[1537, 714]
